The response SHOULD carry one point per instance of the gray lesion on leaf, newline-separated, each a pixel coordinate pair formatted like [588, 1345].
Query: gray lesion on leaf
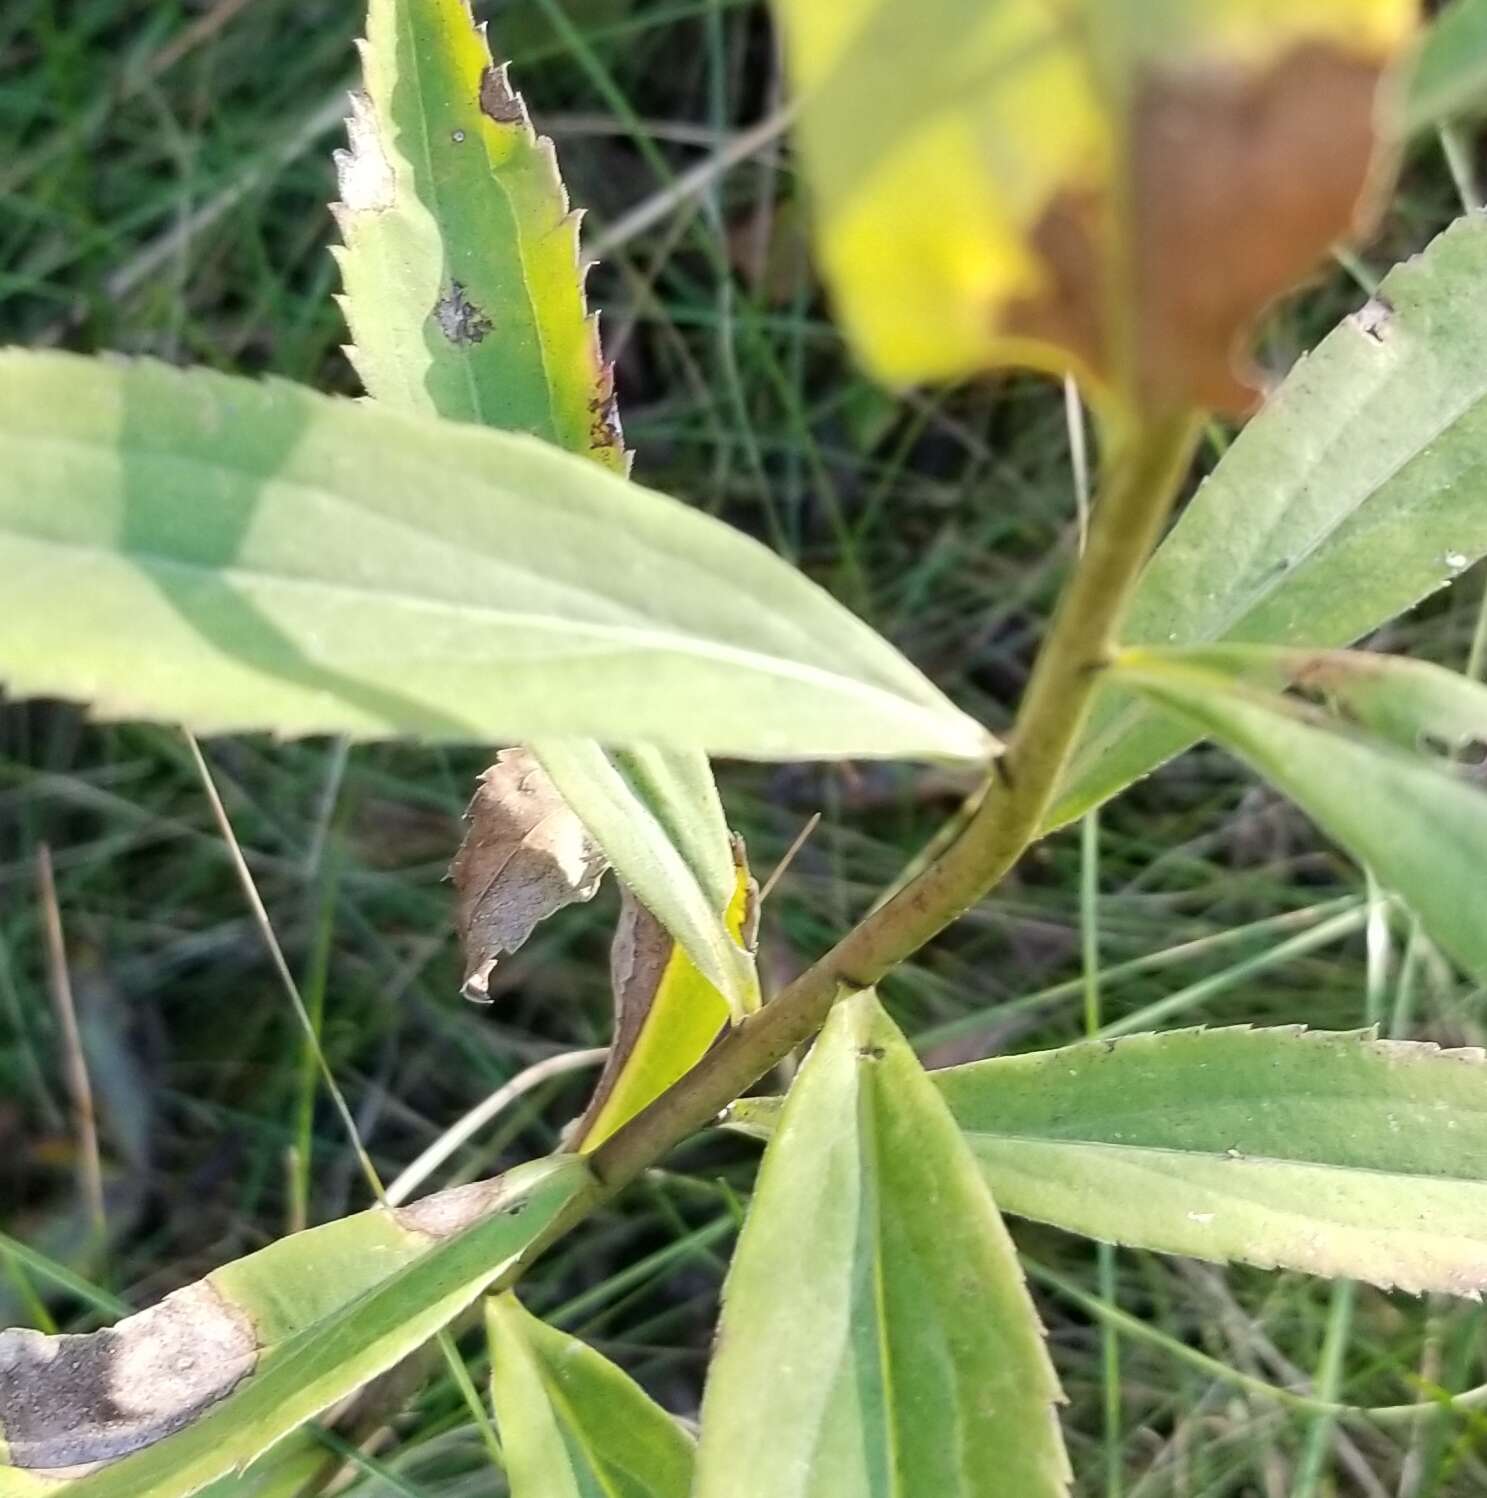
[524, 856]
[364, 175]
[448, 1212]
[70, 1401]
[458, 318]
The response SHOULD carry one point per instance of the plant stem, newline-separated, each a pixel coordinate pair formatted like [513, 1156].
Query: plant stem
[1142, 480]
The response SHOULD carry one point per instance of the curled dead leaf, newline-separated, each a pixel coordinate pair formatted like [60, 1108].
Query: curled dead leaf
[524, 855]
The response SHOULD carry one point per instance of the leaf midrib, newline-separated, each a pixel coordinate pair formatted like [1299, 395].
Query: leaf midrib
[668, 554]
[1244, 1158]
[699, 647]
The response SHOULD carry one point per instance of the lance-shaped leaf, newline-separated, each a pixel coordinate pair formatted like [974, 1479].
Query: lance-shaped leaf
[1336, 1154]
[877, 1338]
[464, 292]
[572, 1424]
[1360, 489]
[1450, 72]
[666, 1013]
[237, 555]
[463, 287]
[1415, 821]
[1113, 186]
[200, 1384]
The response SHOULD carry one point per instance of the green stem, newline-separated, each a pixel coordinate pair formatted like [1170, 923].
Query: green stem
[1142, 481]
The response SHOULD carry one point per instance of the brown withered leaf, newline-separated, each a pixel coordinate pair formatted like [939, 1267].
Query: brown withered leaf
[524, 856]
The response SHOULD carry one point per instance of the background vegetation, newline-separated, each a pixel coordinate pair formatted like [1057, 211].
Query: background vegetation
[164, 171]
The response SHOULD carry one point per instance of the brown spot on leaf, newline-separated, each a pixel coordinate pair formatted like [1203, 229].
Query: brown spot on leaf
[524, 856]
[459, 319]
[498, 100]
[605, 432]
[606, 436]
[1241, 182]
[73, 1400]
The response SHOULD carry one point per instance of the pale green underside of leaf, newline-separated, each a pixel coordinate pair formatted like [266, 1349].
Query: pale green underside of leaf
[332, 1308]
[1359, 489]
[1414, 821]
[1450, 76]
[236, 555]
[572, 1424]
[680, 791]
[1336, 1154]
[877, 1339]
[647, 859]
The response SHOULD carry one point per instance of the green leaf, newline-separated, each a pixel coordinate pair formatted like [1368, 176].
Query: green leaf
[464, 293]
[1414, 821]
[1450, 73]
[237, 555]
[463, 286]
[667, 1015]
[1337, 1154]
[572, 1424]
[286, 1471]
[877, 1337]
[683, 893]
[196, 1387]
[1360, 489]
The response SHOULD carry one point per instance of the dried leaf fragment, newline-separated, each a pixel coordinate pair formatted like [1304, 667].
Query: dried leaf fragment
[524, 855]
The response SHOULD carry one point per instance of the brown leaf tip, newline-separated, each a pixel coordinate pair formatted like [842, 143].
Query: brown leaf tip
[69, 1401]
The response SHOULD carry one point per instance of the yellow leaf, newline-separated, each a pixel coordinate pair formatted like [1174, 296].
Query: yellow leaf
[1113, 187]
[667, 1014]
